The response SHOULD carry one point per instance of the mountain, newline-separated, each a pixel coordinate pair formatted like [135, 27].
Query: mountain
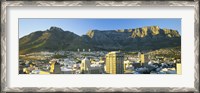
[51, 39]
[144, 38]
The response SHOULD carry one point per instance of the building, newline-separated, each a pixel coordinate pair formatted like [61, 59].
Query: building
[139, 53]
[178, 68]
[128, 67]
[43, 72]
[66, 70]
[126, 64]
[114, 62]
[95, 69]
[52, 66]
[57, 69]
[142, 60]
[26, 71]
[85, 64]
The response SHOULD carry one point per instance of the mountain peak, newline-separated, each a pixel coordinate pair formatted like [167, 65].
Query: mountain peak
[91, 33]
[54, 28]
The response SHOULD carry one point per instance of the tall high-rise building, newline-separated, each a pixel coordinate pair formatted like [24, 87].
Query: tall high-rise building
[85, 64]
[114, 62]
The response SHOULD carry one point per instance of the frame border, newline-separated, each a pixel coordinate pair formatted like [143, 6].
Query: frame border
[5, 4]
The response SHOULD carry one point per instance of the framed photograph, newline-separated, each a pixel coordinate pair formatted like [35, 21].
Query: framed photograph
[100, 46]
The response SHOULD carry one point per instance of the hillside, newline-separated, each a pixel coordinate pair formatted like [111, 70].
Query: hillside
[167, 52]
[49, 40]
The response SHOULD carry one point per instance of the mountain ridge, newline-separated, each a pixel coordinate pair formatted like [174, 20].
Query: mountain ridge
[55, 38]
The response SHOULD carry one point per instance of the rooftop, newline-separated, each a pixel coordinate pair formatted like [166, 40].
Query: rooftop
[114, 53]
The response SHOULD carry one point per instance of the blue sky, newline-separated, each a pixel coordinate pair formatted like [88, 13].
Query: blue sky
[81, 26]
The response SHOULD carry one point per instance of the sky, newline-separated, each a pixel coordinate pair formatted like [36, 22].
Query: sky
[81, 26]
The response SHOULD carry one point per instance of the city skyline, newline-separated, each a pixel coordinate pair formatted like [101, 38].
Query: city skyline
[82, 25]
[112, 62]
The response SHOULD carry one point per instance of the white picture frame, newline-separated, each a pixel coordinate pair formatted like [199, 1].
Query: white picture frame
[5, 48]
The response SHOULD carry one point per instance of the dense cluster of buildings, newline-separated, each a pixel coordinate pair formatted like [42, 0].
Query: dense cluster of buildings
[114, 62]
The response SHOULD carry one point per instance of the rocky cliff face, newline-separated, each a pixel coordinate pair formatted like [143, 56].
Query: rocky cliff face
[145, 38]
[151, 37]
